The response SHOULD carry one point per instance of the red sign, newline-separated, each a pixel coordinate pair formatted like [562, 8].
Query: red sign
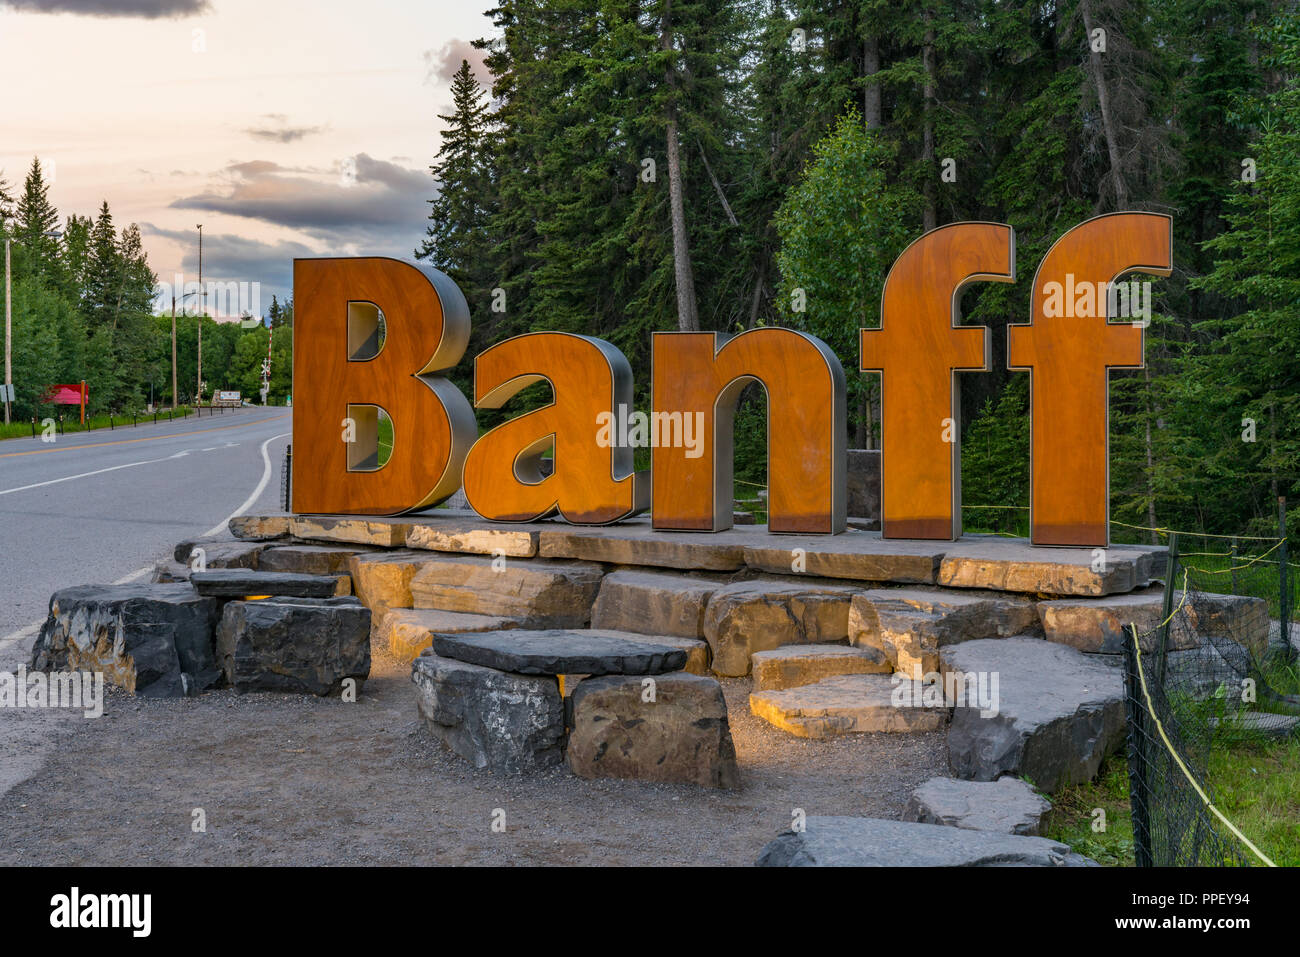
[64, 394]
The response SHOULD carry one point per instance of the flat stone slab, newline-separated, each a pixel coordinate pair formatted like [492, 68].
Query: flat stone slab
[369, 530]
[1007, 564]
[241, 583]
[671, 727]
[1059, 712]
[153, 640]
[294, 645]
[653, 602]
[762, 614]
[472, 537]
[793, 666]
[506, 722]
[545, 593]
[1007, 805]
[850, 704]
[909, 626]
[856, 555]
[869, 842]
[697, 650]
[307, 559]
[560, 652]
[260, 528]
[205, 553]
[406, 632]
[636, 543]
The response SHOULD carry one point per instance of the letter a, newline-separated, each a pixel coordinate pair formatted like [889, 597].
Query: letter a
[1069, 362]
[917, 350]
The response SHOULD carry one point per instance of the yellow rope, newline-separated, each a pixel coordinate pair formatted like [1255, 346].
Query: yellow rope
[1137, 648]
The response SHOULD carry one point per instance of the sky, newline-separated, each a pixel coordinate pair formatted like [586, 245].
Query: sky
[285, 128]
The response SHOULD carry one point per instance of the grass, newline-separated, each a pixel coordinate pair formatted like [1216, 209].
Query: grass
[71, 425]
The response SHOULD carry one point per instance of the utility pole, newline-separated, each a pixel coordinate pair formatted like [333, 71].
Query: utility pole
[9, 332]
[173, 349]
[203, 306]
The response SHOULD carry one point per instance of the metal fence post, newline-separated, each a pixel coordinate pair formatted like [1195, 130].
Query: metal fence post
[1139, 780]
[1233, 564]
[1171, 575]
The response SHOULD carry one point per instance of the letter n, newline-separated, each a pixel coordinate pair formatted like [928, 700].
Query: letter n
[1069, 361]
[917, 350]
[374, 334]
[705, 372]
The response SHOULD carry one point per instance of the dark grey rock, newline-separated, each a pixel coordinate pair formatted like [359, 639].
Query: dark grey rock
[239, 583]
[154, 640]
[219, 554]
[869, 842]
[560, 652]
[1059, 713]
[300, 646]
[1007, 805]
[667, 728]
[505, 722]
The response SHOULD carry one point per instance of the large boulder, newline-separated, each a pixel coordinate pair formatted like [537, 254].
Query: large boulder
[154, 640]
[909, 626]
[1007, 805]
[792, 666]
[301, 646]
[1057, 712]
[653, 603]
[668, 728]
[762, 614]
[383, 579]
[869, 842]
[545, 593]
[491, 718]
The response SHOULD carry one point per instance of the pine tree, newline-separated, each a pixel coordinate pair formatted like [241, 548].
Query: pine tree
[35, 220]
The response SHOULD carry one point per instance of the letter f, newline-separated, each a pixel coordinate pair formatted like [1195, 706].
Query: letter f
[917, 350]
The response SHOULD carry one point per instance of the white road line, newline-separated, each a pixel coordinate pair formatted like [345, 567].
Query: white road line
[257, 492]
[69, 478]
[138, 573]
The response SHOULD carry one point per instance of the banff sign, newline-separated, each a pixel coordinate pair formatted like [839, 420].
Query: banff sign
[342, 379]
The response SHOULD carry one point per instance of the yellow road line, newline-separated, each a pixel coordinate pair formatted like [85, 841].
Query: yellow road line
[148, 438]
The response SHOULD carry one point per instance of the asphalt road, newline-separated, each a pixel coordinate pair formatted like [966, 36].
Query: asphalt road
[99, 507]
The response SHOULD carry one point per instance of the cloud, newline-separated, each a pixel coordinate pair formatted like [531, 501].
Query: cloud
[143, 9]
[230, 258]
[279, 131]
[363, 204]
[441, 64]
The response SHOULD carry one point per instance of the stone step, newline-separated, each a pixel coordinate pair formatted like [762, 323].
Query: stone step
[1003, 564]
[243, 583]
[383, 579]
[909, 626]
[870, 842]
[219, 554]
[1007, 805]
[762, 614]
[560, 652]
[849, 704]
[406, 632]
[546, 593]
[654, 603]
[793, 666]
[294, 645]
[1055, 713]
[697, 651]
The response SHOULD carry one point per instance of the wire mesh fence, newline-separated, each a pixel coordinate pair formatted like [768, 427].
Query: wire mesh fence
[1218, 672]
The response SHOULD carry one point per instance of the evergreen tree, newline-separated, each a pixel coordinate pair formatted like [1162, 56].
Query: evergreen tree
[35, 220]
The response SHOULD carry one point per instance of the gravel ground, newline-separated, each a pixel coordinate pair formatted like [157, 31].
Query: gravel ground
[308, 781]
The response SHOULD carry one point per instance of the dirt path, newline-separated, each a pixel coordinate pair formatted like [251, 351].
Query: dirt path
[295, 780]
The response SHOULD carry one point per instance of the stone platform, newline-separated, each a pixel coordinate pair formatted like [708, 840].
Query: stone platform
[987, 562]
